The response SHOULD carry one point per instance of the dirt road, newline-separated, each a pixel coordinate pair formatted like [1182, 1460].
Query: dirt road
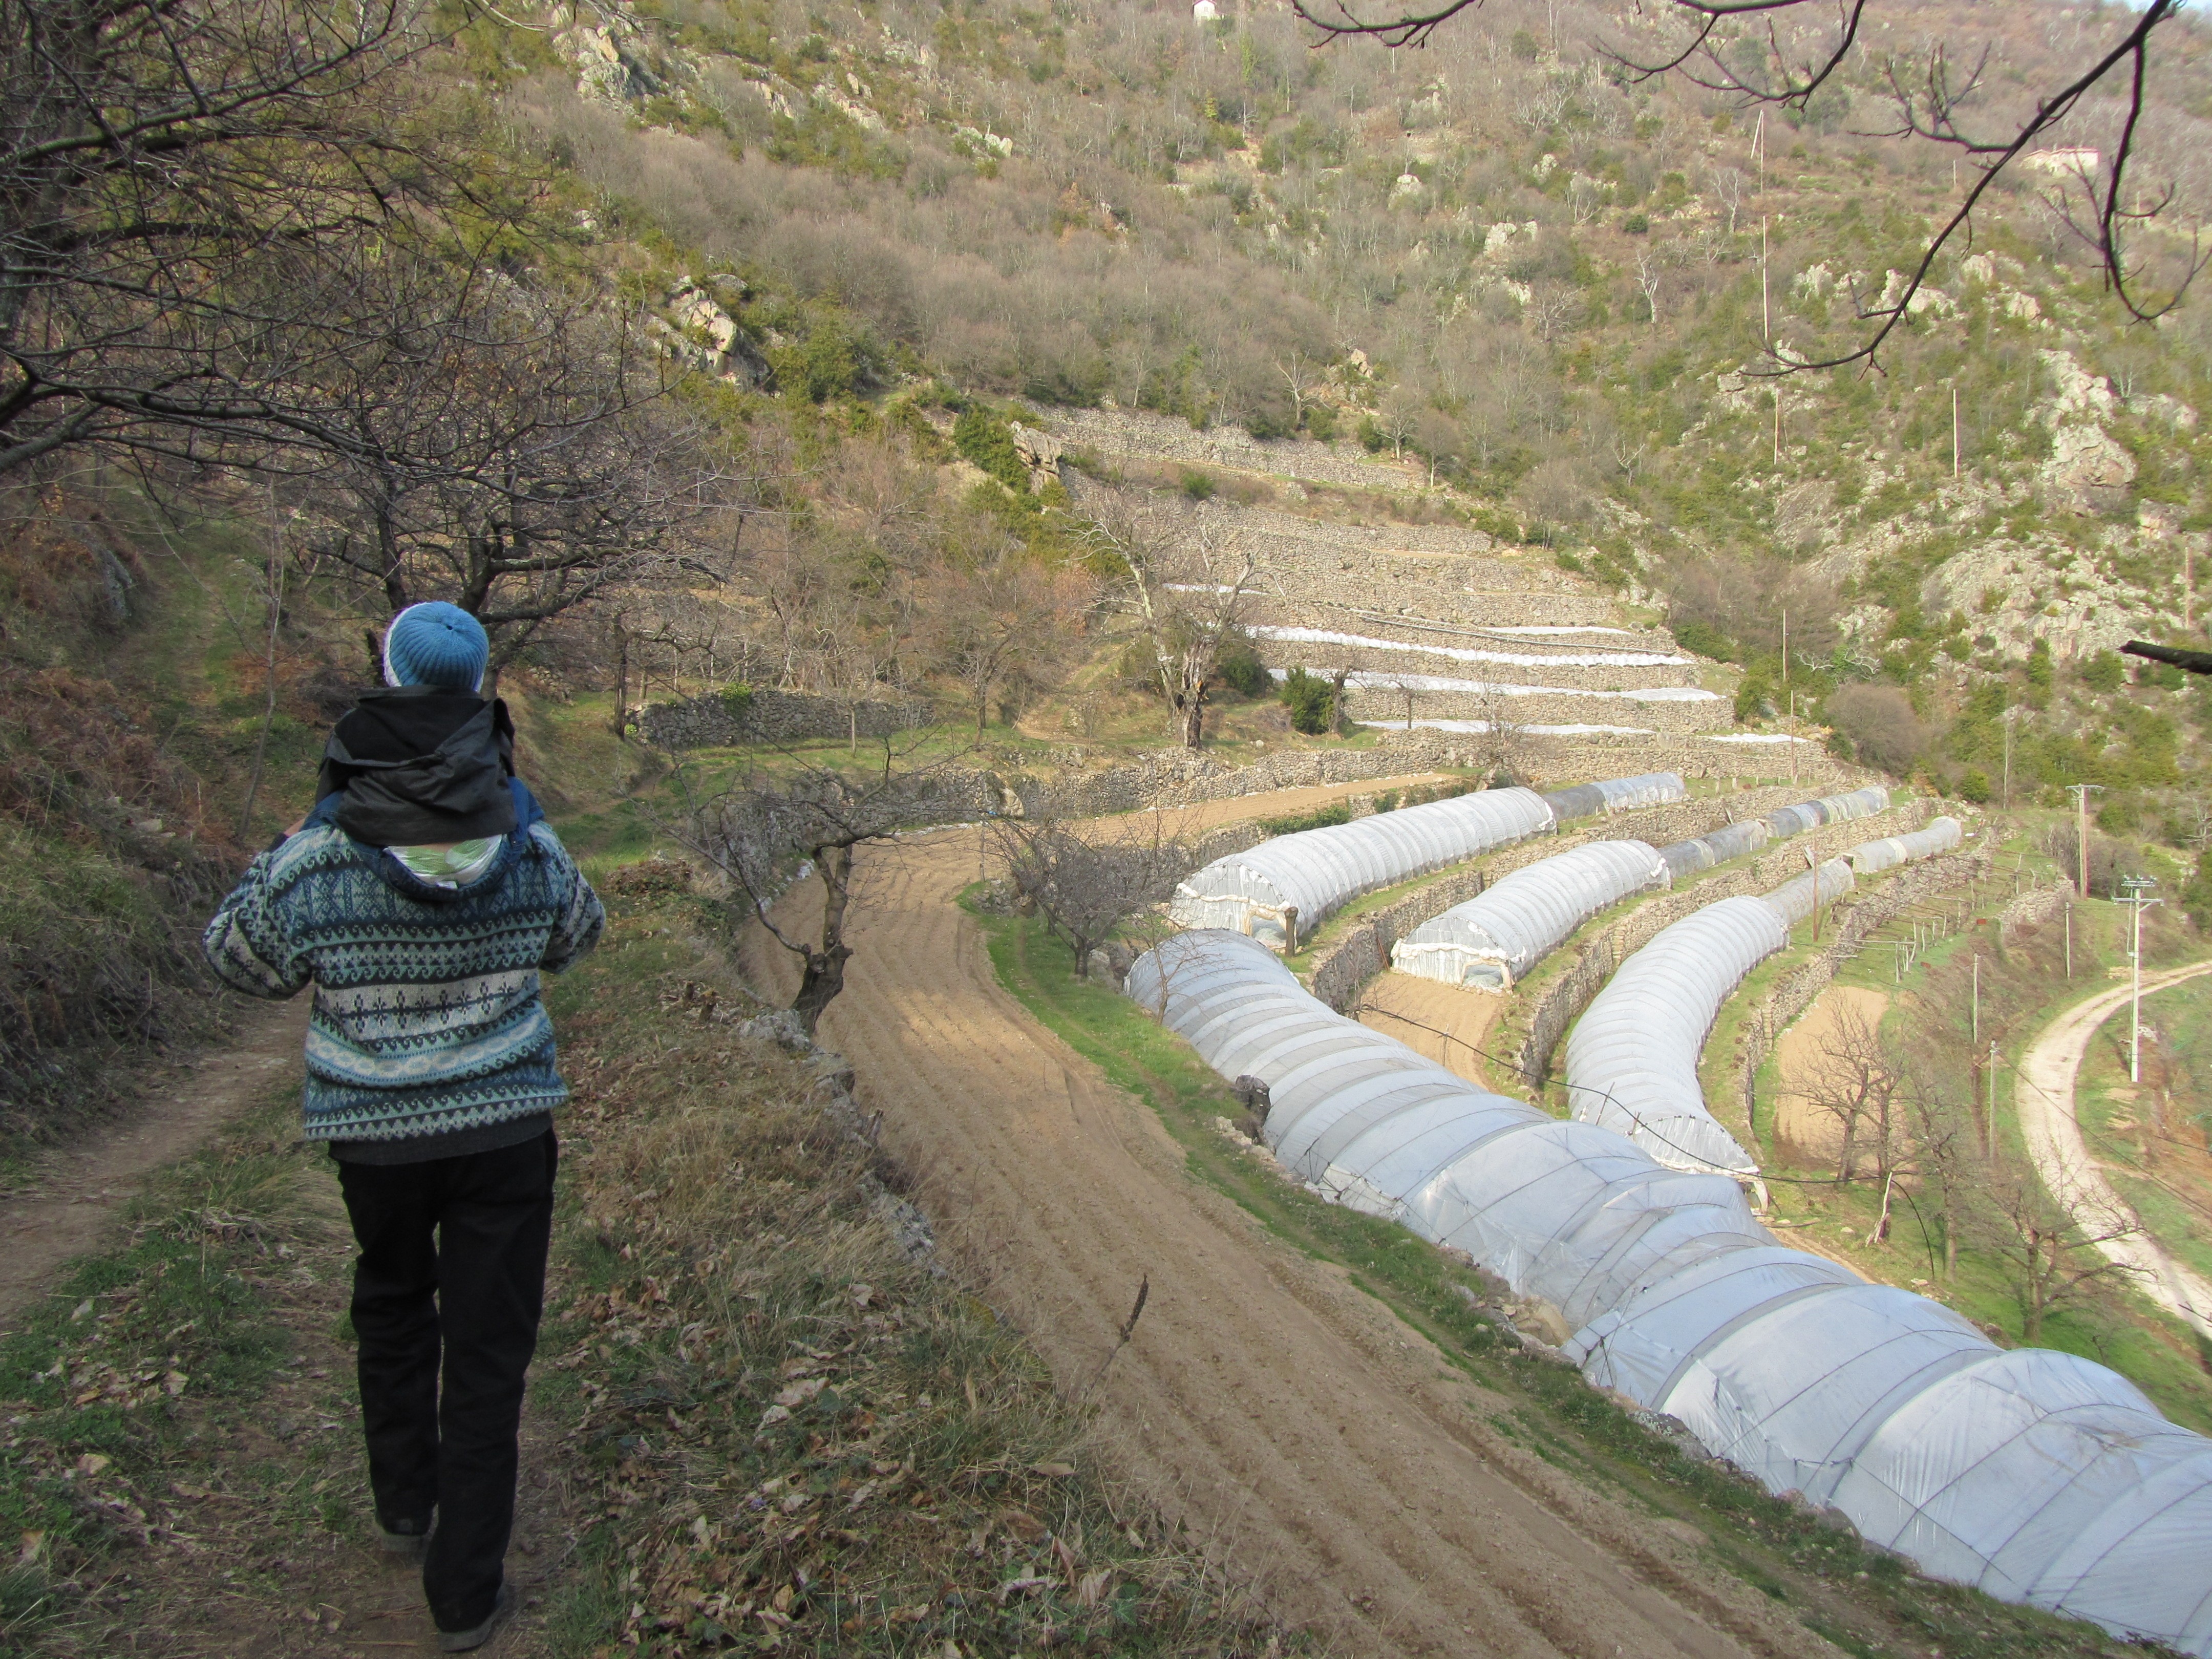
[2044, 1101]
[1336, 1458]
[75, 1192]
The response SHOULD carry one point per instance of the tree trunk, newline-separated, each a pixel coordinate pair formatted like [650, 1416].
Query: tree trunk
[1194, 723]
[824, 974]
[622, 671]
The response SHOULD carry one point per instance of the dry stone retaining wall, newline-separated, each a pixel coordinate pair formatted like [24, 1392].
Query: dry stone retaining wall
[1159, 437]
[2033, 910]
[1365, 950]
[770, 717]
[1565, 997]
[1763, 1026]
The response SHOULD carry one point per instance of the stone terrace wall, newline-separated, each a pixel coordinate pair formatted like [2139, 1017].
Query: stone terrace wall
[1363, 951]
[2033, 909]
[1763, 1026]
[770, 717]
[1159, 437]
[1565, 997]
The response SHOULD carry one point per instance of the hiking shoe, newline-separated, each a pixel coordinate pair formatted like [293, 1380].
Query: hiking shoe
[408, 1540]
[460, 1641]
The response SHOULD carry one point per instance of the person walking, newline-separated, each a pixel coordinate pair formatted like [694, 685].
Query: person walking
[422, 896]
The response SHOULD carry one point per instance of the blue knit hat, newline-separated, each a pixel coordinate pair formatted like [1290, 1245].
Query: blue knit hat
[435, 644]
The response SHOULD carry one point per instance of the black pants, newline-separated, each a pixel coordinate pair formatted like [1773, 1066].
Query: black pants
[451, 1268]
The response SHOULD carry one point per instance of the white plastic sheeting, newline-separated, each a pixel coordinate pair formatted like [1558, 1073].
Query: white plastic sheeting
[1494, 938]
[1366, 679]
[1687, 858]
[1631, 1060]
[1612, 656]
[1617, 795]
[1796, 896]
[1829, 809]
[2038, 1476]
[1939, 835]
[1318, 870]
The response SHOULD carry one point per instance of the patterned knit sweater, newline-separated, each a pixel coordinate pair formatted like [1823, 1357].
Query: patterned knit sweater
[427, 1016]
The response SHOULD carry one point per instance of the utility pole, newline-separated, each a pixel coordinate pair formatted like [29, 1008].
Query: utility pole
[2138, 887]
[1991, 1117]
[1766, 312]
[2082, 792]
[1759, 172]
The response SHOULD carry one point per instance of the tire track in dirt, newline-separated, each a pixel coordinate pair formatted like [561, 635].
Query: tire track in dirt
[1340, 1466]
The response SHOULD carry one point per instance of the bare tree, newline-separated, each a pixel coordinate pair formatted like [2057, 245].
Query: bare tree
[190, 193]
[999, 616]
[1728, 190]
[1855, 1082]
[1087, 884]
[1946, 1152]
[761, 830]
[1650, 273]
[1182, 583]
[2099, 204]
[2051, 1261]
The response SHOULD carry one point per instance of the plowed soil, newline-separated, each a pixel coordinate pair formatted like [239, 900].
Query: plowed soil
[1345, 1470]
[1447, 1024]
[1814, 1136]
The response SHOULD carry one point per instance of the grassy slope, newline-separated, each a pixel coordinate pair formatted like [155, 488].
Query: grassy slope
[1866, 1601]
[2125, 1331]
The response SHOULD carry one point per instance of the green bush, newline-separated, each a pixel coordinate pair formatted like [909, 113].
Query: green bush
[1371, 435]
[1198, 485]
[2103, 672]
[1240, 668]
[1320, 818]
[2196, 892]
[1704, 639]
[1321, 420]
[1751, 698]
[1311, 701]
[987, 441]
[1974, 786]
[738, 699]
[831, 368]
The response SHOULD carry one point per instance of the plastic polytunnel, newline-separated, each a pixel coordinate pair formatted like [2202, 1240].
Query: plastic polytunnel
[1795, 898]
[1493, 939]
[1631, 1060]
[1829, 809]
[1687, 858]
[1617, 795]
[2040, 1477]
[1318, 870]
[1939, 835]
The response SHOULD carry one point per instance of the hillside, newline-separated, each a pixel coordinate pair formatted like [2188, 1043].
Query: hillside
[1537, 287]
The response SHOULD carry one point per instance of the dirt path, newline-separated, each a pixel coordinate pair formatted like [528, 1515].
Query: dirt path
[1812, 1135]
[2044, 1101]
[75, 1192]
[1447, 1024]
[1336, 1458]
